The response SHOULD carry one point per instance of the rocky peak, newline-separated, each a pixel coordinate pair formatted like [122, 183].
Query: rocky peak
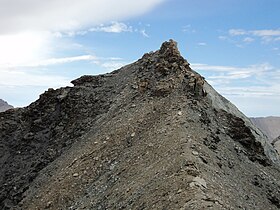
[165, 70]
[167, 54]
[151, 135]
[169, 49]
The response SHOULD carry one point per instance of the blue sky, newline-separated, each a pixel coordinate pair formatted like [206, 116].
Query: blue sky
[234, 44]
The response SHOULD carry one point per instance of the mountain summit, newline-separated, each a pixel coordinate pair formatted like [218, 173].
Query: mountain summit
[151, 135]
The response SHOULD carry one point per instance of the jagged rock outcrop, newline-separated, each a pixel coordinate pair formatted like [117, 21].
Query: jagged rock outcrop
[151, 135]
[4, 106]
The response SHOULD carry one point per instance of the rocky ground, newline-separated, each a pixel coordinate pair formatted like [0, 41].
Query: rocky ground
[4, 106]
[152, 135]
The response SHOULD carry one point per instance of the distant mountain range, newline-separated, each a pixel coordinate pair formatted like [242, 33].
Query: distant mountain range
[4, 106]
[270, 126]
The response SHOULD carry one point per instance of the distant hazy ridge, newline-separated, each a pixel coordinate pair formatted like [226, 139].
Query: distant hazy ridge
[4, 106]
[270, 126]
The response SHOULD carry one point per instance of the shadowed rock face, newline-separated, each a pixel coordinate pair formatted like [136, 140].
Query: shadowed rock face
[151, 135]
[4, 106]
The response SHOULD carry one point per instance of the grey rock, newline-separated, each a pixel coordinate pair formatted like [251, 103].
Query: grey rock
[85, 147]
[198, 181]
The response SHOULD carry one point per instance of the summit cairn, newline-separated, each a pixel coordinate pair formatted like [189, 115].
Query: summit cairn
[166, 70]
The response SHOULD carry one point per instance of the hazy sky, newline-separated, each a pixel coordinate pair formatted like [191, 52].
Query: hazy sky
[234, 44]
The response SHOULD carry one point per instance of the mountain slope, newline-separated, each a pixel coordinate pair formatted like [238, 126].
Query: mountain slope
[270, 126]
[4, 106]
[152, 135]
[276, 144]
